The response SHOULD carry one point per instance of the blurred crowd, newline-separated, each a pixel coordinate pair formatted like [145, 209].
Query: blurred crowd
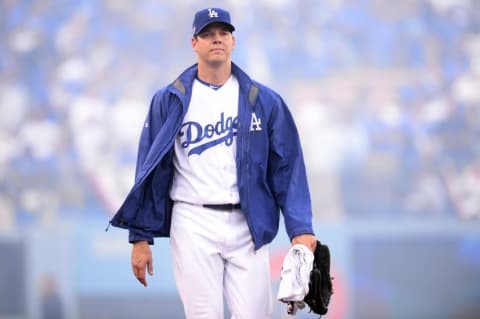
[385, 95]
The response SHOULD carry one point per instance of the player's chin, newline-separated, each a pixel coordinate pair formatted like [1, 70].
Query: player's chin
[217, 60]
[218, 56]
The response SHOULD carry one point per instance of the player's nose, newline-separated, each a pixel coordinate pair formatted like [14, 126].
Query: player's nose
[217, 37]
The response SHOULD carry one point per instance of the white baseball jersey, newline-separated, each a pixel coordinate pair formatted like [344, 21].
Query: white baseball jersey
[205, 148]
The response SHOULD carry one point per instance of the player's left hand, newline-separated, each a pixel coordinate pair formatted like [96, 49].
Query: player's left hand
[308, 240]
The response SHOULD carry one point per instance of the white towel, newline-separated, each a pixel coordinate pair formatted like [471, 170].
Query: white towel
[295, 276]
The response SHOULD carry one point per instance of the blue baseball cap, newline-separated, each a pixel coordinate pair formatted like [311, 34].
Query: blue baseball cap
[207, 16]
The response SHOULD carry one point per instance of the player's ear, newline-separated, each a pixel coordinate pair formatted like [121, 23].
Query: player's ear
[194, 42]
[233, 39]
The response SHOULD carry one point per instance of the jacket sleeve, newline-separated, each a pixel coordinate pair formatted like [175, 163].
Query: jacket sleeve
[287, 172]
[151, 126]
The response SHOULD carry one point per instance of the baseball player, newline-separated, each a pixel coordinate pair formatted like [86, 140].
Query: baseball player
[219, 159]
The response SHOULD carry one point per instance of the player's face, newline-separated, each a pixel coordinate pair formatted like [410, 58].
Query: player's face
[214, 44]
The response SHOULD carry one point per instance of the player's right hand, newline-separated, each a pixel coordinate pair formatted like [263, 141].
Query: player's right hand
[141, 259]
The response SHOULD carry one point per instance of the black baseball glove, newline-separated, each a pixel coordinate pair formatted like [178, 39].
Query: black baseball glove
[320, 286]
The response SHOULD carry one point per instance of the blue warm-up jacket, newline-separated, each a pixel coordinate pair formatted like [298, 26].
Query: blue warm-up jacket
[271, 175]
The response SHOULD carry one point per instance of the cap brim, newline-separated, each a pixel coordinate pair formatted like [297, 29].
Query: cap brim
[231, 27]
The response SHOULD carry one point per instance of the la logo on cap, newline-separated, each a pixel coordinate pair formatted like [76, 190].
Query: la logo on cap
[212, 13]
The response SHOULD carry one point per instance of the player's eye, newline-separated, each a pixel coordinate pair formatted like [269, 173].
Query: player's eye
[224, 33]
[211, 33]
[206, 34]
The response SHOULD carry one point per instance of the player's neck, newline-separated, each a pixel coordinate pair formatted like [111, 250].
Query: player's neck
[214, 74]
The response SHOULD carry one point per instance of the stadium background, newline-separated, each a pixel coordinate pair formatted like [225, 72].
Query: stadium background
[386, 97]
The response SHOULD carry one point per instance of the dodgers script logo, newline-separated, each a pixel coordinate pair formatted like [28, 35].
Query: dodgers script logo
[208, 136]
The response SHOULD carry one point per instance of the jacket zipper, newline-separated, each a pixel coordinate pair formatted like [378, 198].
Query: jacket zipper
[245, 151]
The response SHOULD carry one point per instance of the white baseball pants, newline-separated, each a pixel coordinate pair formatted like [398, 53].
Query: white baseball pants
[213, 256]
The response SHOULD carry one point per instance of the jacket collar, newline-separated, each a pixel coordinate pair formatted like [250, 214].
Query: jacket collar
[183, 84]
